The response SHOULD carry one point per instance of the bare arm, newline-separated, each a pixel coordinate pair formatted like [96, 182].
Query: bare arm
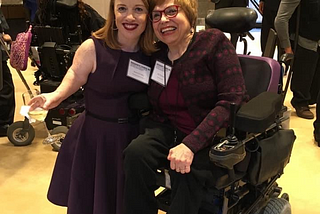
[84, 63]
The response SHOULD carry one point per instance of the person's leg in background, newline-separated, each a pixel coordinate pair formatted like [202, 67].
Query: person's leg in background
[304, 66]
[269, 12]
[316, 123]
[30, 8]
[267, 23]
[315, 86]
[7, 100]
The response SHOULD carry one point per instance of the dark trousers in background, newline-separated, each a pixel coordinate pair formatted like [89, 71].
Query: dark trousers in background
[316, 123]
[145, 155]
[7, 99]
[305, 82]
[269, 15]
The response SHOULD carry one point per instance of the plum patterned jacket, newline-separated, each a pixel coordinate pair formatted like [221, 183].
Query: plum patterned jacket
[210, 78]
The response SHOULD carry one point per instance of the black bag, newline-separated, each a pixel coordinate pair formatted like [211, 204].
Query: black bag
[271, 155]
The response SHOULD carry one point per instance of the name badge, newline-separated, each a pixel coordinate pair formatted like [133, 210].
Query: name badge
[161, 73]
[139, 71]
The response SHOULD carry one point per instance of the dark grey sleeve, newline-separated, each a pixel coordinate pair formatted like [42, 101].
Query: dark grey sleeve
[281, 22]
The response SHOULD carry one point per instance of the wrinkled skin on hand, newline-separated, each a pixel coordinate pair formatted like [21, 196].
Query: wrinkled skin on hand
[180, 158]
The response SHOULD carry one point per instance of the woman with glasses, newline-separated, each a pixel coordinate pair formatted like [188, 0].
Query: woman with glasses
[194, 79]
[88, 176]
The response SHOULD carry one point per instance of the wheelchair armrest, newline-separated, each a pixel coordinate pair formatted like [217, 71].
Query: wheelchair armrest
[232, 20]
[259, 113]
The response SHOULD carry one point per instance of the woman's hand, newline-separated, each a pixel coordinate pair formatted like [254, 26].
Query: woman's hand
[7, 38]
[46, 101]
[180, 158]
[261, 7]
[288, 50]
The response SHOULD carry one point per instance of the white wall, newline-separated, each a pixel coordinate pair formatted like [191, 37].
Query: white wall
[102, 6]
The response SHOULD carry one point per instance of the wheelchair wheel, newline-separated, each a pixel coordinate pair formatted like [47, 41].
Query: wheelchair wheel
[277, 206]
[18, 135]
[58, 130]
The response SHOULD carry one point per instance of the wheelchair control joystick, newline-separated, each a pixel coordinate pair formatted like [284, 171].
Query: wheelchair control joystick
[230, 151]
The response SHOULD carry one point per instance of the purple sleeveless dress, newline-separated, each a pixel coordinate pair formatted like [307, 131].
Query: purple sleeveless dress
[88, 175]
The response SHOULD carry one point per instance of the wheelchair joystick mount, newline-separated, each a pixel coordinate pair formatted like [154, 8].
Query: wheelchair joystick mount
[230, 150]
[228, 153]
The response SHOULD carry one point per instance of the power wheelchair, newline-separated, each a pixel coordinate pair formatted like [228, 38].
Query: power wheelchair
[57, 44]
[52, 50]
[257, 145]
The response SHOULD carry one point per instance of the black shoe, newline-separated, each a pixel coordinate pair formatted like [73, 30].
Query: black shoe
[3, 130]
[304, 112]
[316, 134]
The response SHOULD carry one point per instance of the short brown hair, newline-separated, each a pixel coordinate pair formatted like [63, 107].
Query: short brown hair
[190, 8]
[109, 32]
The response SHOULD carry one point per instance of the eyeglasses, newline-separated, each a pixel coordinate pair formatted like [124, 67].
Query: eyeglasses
[169, 12]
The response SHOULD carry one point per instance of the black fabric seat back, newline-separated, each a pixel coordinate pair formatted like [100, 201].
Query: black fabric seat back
[260, 74]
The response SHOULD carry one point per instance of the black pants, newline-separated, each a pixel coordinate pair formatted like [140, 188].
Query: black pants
[269, 15]
[316, 123]
[305, 82]
[145, 155]
[7, 100]
[231, 3]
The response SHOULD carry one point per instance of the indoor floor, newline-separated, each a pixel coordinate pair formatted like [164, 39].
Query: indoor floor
[25, 172]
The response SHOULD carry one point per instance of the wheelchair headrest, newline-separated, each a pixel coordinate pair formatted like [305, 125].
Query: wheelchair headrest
[233, 19]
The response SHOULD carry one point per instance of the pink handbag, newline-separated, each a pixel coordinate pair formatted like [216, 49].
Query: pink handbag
[20, 50]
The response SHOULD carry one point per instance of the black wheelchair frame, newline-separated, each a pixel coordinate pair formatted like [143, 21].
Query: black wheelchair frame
[56, 54]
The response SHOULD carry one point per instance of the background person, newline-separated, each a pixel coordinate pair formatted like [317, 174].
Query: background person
[88, 175]
[7, 99]
[31, 7]
[305, 83]
[186, 112]
[7, 95]
[316, 124]
[268, 9]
